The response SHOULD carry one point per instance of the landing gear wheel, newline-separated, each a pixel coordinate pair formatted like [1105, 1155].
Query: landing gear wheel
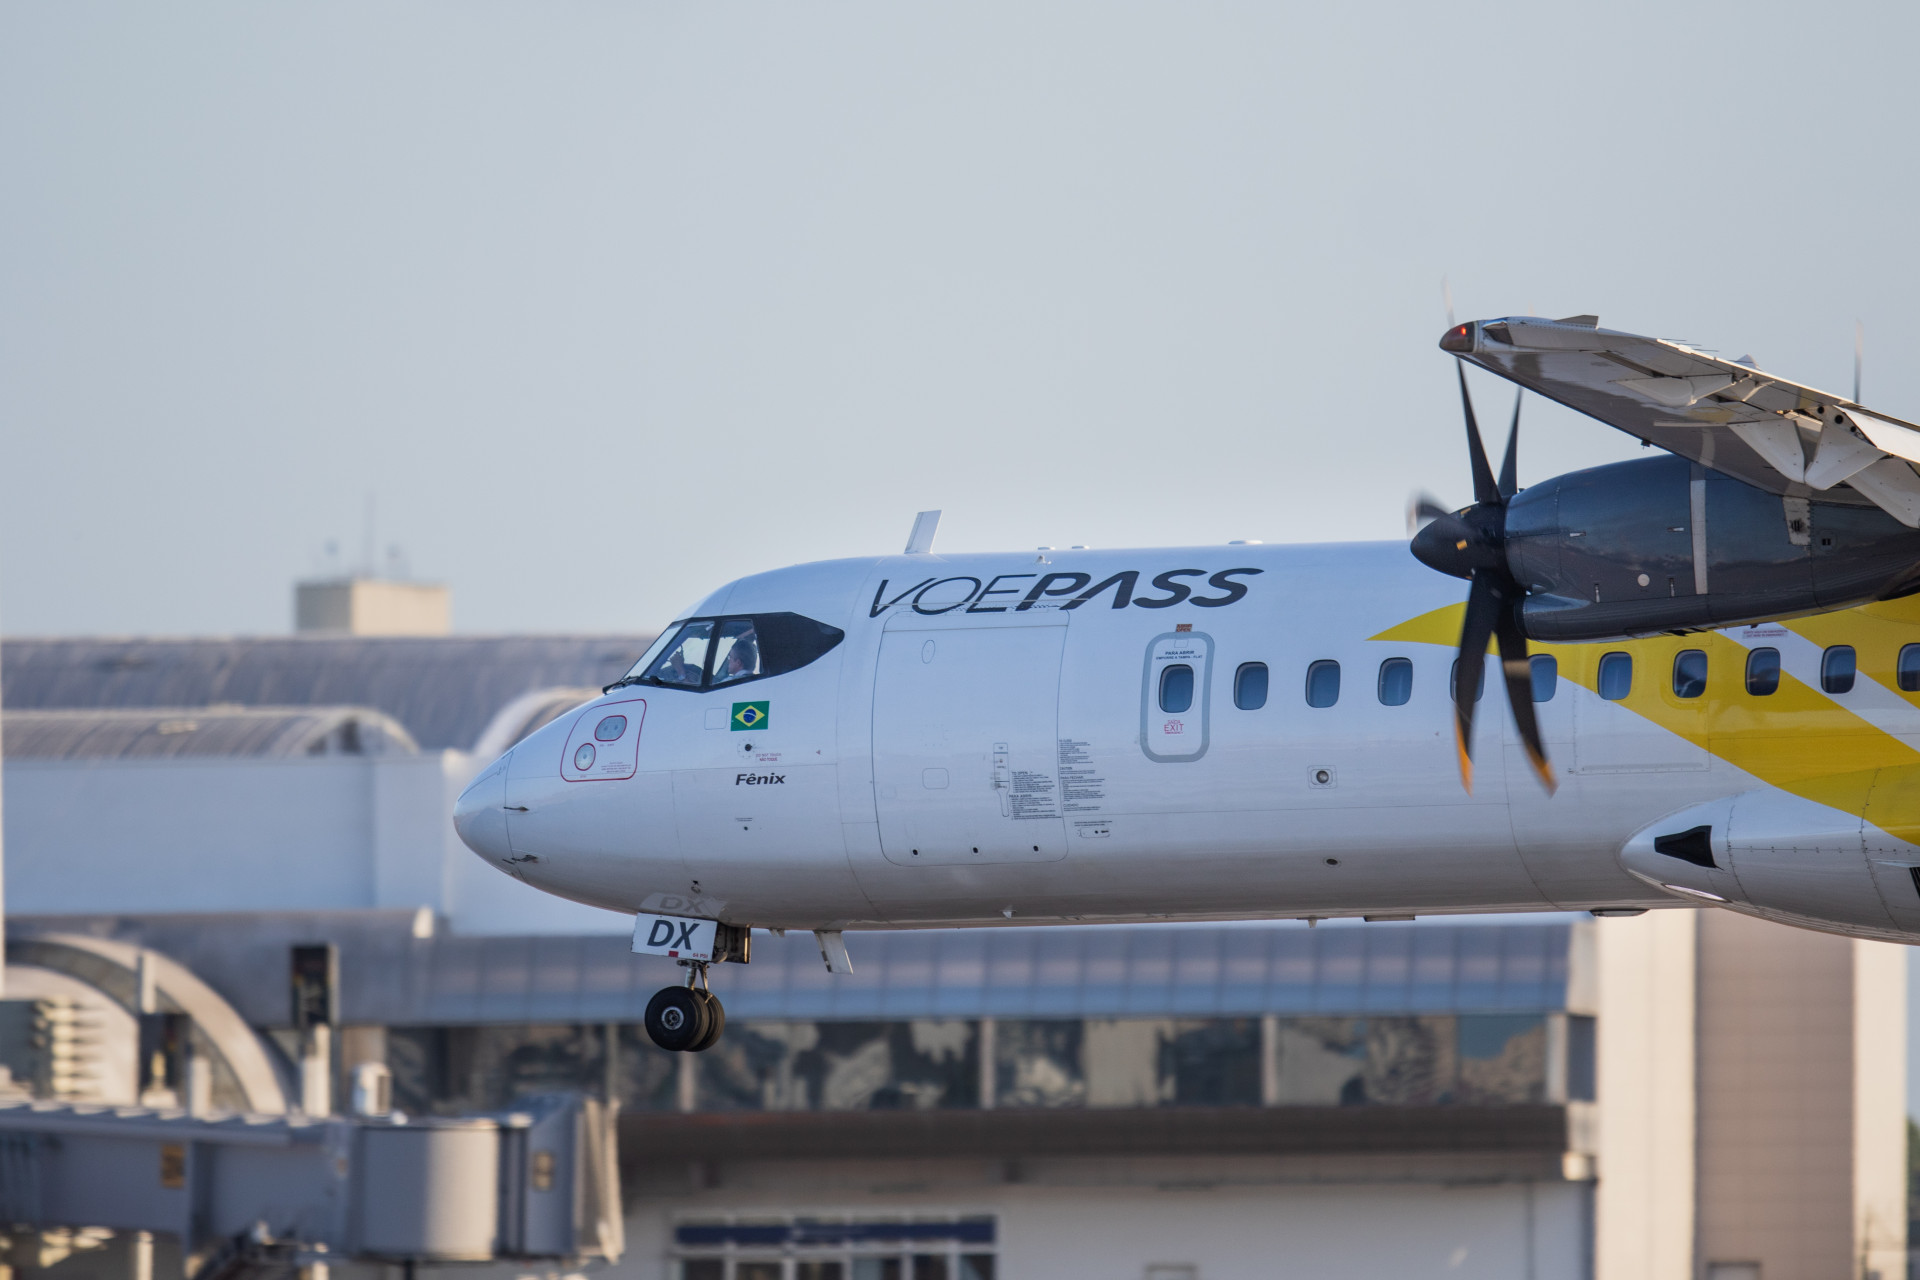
[716, 1021]
[677, 1018]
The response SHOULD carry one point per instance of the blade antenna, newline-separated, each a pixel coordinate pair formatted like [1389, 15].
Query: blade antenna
[1510, 465]
[1859, 342]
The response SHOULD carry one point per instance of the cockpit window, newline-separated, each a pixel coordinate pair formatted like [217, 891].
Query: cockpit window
[682, 665]
[736, 655]
[707, 653]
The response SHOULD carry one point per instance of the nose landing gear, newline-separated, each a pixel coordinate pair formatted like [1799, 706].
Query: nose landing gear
[686, 1019]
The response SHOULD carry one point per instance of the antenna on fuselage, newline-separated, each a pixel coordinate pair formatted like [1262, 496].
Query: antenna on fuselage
[925, 525]
[1859, 342]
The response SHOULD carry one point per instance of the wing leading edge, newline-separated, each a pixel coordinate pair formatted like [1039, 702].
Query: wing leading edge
[1776, 435]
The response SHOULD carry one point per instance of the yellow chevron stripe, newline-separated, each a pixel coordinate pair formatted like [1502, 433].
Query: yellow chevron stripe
[1798, 738]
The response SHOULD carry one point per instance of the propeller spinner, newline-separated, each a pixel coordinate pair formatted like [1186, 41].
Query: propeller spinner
[1471, 544]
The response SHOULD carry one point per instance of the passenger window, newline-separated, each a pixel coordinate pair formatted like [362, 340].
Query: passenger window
[1909, 668]
[1763, 672]
[1616, 676]
[1453, 682]
[736, 654]
[1836, 669]
[685, 659]
[1396, 682]
[1176, 687]
[1250, 686]
[1323, 683]
[1545, 670]
[1689, 673]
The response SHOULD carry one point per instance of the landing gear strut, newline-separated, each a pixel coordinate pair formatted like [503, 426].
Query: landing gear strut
[686, 1019]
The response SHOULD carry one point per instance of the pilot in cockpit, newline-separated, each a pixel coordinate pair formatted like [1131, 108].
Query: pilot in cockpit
[742, 658]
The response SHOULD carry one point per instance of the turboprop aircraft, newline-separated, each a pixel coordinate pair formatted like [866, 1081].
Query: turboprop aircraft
[1711, 655]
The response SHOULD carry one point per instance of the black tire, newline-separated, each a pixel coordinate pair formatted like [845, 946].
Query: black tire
[676, 1019]
[716, 1021]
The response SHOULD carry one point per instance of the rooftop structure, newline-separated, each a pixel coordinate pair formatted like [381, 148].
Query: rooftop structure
[365, 606]
[445, 691]
[219, 731]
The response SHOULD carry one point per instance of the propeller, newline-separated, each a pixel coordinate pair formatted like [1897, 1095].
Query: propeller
[1471, 543]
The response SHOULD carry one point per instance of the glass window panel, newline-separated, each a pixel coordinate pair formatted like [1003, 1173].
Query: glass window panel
[876, 1269]
[1213, 1062]
[842, 1066]
[1122, 1061]
[1689, 673]
[1503, 1058]
[929, 1266]
[736, 653]
[685, 659]
[1581, 1065]
[1545, 669]
[1037, 1063]
[814, 1269]
[1250, 686]
[976, 1266]
[1396, 682]
[1176, 687]
[757, 1269]
[1763, 672]
[1836, 669]
[1410, 1062]
[1453, 682]
[1321, 1061]
[702, 1269]
[1908, 668]
[1323, 683]
[1616, 676]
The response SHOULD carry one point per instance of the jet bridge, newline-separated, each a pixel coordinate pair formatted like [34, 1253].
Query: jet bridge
[245, 1190]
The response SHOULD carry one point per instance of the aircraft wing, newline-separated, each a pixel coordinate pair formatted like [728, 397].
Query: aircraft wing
[1777, 435]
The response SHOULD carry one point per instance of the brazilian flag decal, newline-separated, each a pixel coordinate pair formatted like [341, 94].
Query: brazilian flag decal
[749, 715]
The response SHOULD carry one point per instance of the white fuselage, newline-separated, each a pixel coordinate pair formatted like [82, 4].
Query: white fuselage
[958, 759]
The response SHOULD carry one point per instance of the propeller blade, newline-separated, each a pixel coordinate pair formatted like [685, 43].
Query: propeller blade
[1484, 488]
[1510, 466]
[1484, 607]
[1518, 669]
[1423, 509]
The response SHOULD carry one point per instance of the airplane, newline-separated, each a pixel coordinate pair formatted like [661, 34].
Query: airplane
[1711, 656]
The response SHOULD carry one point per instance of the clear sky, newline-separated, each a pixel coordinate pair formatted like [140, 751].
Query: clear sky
[603, 304]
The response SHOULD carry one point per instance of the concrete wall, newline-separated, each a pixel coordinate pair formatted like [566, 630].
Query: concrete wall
[1143, 1218]
[1644, 1119]
[1751, 1100]
[1776, 1013]
[300, 834]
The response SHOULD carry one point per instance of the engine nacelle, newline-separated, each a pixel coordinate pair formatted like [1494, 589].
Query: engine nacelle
[1662, 544]
[1770, 853]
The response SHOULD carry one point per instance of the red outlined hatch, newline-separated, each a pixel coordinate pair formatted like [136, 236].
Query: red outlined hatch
[605, 742]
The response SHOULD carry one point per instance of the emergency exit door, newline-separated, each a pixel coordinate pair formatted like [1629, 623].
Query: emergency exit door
[966, 744]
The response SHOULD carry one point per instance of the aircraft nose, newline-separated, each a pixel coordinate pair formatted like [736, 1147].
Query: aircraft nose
[479, 814]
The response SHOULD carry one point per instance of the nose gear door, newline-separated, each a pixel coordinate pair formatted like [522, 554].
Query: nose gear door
[966, 743]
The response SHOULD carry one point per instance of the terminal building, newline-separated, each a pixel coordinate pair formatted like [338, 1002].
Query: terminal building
[1682, 1094]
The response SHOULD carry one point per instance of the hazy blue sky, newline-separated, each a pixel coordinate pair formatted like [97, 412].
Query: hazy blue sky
[609, 303]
